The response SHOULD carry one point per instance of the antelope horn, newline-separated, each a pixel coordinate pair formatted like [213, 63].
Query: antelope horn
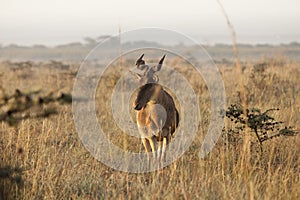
[140, 59]
[161, 60]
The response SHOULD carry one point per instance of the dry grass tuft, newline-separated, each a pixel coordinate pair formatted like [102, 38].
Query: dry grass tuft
[44, 158]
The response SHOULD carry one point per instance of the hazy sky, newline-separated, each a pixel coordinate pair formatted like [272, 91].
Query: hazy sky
[54, 22]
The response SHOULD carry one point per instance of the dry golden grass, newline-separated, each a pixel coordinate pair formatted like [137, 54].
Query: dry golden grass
[44, 158]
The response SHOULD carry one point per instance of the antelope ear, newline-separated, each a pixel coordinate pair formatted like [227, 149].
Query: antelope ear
[155, 78]
[158, 67]
[137, 75]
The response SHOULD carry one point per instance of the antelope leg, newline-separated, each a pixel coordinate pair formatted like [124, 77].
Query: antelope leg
[159, 150]
[152, 142]
[164, 147]
[147, 148]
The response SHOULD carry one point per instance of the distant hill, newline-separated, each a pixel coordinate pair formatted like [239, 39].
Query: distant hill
[78, 51]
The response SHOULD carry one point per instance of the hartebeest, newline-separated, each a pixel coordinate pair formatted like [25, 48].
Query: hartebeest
[157, 116]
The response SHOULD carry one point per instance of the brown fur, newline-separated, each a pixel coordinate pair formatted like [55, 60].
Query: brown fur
[151, 94]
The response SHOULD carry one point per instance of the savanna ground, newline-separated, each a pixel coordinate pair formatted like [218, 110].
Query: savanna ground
[44, 159]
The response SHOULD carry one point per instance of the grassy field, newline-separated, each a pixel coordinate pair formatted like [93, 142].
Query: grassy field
[44, 158]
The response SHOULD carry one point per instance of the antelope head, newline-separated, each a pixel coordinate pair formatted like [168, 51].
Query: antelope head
[148, 75]
[147, 94]
[149, 88]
